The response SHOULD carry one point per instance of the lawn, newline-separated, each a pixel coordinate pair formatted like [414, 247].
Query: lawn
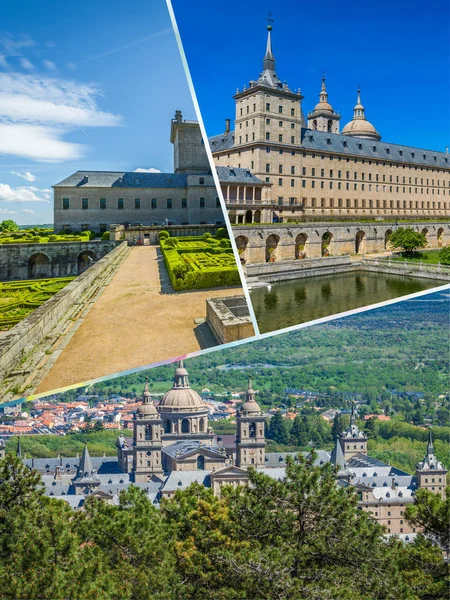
[429, 257]
[199, 262]
[19, 298]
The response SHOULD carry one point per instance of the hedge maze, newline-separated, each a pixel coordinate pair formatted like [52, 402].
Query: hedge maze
[199, 262]
[47, 236]
[19, 298]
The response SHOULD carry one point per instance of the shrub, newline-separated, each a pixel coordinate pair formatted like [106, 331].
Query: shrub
[53, 238]
[407, 240]
[224, 243]
[444, 255]
[105, 235]
[171, 243]
[206, 235]
[163, 235]
[221, 233]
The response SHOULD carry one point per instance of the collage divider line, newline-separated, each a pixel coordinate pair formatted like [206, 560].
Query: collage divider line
[254, 338]
[213, 166]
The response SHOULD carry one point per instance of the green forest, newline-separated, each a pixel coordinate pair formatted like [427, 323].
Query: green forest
[302, 537]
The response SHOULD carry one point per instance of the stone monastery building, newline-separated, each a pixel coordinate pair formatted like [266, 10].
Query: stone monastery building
[93, 200]
[278, 165]
[173, 446]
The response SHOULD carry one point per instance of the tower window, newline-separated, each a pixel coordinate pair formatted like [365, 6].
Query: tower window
[66, 204]
[84, 203]
[280, 109]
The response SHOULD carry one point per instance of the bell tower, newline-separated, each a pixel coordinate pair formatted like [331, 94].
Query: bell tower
[353, 441]
[250, 440]
[323, 117]
[430, 472]
[147, 440]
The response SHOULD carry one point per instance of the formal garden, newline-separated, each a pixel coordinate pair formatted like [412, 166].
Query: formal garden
[10, 233]
[196, 262]
[19, 298]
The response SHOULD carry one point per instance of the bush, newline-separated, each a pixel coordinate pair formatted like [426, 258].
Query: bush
[105, 235]
[163, 235]
[171, 243]
[206, 235]
[444, 255]
[221, 233]
[224, 243]
[407, 240]
[53, 238]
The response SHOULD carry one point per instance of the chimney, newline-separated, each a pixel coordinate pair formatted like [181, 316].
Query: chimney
[57, 472]
[32, 463]
[446, 149]
[227, 125]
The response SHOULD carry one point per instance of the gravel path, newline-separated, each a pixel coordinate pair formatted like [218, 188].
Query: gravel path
[137, 320]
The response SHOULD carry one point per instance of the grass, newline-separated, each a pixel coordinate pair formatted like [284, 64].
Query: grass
[430, 257]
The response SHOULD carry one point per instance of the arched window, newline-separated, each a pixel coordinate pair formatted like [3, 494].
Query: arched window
[167, 426]
[252, 430]
[185, 426]
[148, 432]
[330, 125]
[201, 463]
[201, 426]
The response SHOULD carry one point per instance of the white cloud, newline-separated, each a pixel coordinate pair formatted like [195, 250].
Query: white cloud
[49, 64]
[38, 143]
[28, 211]
[21, 194]
[27, 175]
[151, 170]
[36, 112]
[27, 64]
[5, 211]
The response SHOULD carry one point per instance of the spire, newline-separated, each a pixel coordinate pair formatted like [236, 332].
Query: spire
[353, 415]
[146, 394]
[323, 92]
[430, 449]
[269, 59]
[181, 376]
[359, 111]
[85, 468]
[250, 395]
[337, 456]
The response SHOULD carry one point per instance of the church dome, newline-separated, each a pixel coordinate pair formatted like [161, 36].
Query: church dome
[250, 406]
[181, 397]
[147, 407]
[323, 106]
[359, 126]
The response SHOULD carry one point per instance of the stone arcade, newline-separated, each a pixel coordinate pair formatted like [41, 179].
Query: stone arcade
[173, 446]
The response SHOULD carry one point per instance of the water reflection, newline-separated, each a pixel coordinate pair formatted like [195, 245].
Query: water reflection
[292, 302]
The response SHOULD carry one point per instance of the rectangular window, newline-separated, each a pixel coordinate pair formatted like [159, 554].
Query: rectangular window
[183, 203]
[280, 123]
[201, 180]
[303, 182]
[137, 203]
[292, 170]
[202, 203]
[66, 204]
[280, 181]
[313, 183]
[292, 139]
[267, 167]
[303, 170]
[120, 203]
[292, 182]
[280, 137]
[322, 172]
[267, 135]
[102, 203]
[267, 106]
[154, 203]
[280, 168]
[84, 203]
[280, 200]
[169, 203]
[280, 109]
[292, 111]
[313, 172]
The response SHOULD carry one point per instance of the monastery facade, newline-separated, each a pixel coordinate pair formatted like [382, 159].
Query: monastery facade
[278, 165]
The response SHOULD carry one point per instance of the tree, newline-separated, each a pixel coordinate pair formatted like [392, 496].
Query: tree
[407, 240]
[8, 225]
[278, 430]
[431, 514]
[444, 255]
[337, 426]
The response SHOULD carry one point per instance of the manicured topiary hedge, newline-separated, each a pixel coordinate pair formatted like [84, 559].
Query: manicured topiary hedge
[44, 236]
[197, 263]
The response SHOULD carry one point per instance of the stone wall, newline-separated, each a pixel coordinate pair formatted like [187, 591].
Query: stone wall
[298, 269]
[258, 244]
[26, 335]
[412, 269]
[143, 233]
[59, 259]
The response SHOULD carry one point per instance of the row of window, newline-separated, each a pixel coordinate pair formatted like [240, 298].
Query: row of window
[349, 203]
[378, 188]
[268, 122]
[268, 109]
[280, 138]
[137, 203]
[339, 158]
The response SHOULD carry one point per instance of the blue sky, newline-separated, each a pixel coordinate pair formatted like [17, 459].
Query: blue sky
[91, 85]
[398, 52]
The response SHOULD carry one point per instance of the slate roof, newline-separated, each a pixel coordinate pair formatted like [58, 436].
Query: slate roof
[123, 179]
[180, 480]
[278, 459]
[237, 175]
[184, 448]
[352, 146]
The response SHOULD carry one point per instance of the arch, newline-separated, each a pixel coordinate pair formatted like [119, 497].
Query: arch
[300, 245]
[326, 242]
[271, 247]
[252, 430]
[201, 424]
[424, 231]
[440, 237]
[185, 426]
[257, 216]
[39, 266]
[360, 242]
[148, 432]
[329, 125]
[387, 237]
[314, 125]
[84, 260]
[201, 462]
[242, 243]
[248, 216]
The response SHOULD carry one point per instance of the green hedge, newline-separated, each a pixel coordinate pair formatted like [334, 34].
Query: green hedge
[199, 266]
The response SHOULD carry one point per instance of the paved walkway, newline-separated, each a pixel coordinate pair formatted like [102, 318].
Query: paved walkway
[137, 320]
